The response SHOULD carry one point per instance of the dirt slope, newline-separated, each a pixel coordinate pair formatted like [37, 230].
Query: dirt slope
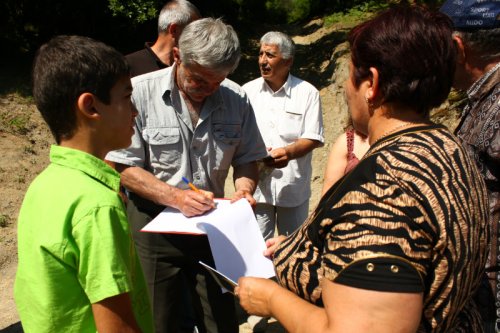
[321, 59]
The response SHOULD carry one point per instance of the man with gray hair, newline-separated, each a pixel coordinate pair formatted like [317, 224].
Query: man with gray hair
[477, 37]
[288, 112]
[192, 122]
[174, 16]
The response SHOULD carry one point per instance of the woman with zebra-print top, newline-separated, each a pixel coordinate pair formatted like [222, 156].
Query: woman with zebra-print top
[400, 242]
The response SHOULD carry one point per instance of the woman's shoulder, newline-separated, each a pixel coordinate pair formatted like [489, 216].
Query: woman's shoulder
[425, 156]
[415, 141]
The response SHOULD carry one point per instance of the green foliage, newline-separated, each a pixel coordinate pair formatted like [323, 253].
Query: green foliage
[290, 10]
[138, 11]
[300, 10]
[126, 24]
[357, 13]
[274, 11]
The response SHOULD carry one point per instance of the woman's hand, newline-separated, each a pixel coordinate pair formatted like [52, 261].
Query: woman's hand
[255, 295]
[272, 244]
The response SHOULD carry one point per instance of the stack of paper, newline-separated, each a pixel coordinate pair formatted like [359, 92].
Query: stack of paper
[235, 239]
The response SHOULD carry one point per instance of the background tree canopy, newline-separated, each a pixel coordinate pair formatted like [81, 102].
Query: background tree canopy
[126, 24]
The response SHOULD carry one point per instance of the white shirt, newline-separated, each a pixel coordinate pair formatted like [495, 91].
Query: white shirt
[291, 113]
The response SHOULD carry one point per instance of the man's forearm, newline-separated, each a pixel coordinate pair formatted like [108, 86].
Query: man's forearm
[147, 186]
[300, 148]
[246, 177]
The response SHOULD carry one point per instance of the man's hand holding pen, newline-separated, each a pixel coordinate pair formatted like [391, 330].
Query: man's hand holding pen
[194, 202]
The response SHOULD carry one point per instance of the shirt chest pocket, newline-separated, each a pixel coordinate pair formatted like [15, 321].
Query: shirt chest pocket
[227, 134]
[165, 147]
[290, 125]
[227, 139]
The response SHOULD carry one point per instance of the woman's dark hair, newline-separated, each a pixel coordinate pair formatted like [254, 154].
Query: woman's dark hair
[412, 49]
[68, 66]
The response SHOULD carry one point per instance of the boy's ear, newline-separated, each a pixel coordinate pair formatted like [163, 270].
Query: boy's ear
[86, 105]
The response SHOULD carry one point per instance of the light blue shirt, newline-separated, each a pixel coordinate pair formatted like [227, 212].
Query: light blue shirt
[166, 144]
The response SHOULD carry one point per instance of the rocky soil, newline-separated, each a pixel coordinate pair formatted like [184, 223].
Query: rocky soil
[321, 59]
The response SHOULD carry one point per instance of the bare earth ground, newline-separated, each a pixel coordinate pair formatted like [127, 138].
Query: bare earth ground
[24, 146]
[25, 142]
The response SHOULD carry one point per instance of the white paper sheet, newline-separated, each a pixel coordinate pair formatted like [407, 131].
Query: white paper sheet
[172, 221]
[235, 239]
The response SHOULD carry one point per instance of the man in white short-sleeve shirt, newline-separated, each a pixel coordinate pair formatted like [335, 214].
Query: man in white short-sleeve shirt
[288, 113]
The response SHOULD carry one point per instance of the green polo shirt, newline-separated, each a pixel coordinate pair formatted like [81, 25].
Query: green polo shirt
[75, 247]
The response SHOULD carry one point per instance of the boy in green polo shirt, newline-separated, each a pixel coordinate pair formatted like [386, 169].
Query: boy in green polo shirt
[78, 270]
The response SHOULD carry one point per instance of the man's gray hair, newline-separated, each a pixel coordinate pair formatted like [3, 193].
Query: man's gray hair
[283, 41]
[211, 44]
[484, 42]
[180, 12]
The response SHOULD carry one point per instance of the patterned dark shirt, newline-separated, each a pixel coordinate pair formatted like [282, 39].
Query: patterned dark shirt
[479, 132]
[411, 217]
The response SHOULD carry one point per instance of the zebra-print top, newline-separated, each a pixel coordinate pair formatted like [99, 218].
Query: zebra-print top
[411, 217]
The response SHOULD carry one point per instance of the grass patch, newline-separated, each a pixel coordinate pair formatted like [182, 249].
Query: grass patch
[356, 14]
[4, 221]
[29, 150]
[15, 113]
[21, 179]
[16, 124]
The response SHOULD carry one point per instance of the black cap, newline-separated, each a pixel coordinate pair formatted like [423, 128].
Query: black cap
[473, 14]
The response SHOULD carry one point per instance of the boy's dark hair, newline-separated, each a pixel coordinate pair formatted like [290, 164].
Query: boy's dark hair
[413, 51]
[68, 66]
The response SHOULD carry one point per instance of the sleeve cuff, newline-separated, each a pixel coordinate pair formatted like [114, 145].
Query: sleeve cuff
[390, 274]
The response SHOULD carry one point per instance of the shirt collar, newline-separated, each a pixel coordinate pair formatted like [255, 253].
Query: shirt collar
[168, 81]
[484, 84]
[86, 163]
[286, 88]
